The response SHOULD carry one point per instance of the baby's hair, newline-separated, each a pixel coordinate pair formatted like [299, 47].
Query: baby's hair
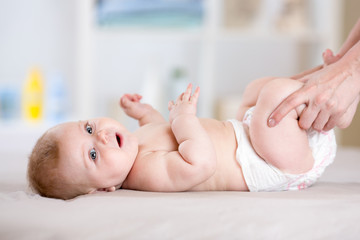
[44, 175]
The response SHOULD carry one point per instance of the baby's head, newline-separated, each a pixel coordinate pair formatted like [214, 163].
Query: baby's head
[82, 157]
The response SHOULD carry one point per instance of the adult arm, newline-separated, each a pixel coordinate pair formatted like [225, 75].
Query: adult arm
[352, 39]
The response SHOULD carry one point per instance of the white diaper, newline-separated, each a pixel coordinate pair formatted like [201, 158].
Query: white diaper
[261, 176]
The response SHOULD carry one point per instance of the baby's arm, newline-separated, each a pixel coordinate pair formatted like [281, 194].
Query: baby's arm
[194, 160]
[144, 113]
[195, 145]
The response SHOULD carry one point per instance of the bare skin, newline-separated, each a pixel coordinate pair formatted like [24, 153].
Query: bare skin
[330, 95]
[171, 165]
[185, 153]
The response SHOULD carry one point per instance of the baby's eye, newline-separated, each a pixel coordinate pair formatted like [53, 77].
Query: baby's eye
[93, 154]
[88, 128]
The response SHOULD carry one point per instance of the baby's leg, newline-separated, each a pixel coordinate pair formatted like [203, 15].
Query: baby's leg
[286, 145]
[251, 95]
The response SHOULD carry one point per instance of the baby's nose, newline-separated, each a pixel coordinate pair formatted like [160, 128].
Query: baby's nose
[102, 136]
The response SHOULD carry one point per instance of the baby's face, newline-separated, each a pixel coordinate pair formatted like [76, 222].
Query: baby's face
[99, 151]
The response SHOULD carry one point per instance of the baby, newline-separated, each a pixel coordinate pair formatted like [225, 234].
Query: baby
[185, 153]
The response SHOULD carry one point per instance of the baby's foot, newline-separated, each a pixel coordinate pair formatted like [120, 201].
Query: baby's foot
[329, 58]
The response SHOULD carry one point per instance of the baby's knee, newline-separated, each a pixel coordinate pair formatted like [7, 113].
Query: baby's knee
[275, 91]
[259, 83]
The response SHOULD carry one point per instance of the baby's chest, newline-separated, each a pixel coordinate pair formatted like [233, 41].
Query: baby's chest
[157, 138]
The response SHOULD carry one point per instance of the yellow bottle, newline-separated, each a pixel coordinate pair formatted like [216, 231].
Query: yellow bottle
[33, 96]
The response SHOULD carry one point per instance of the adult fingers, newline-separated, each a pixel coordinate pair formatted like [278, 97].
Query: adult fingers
[291, 102]
[308, 116]
[326, 102]
[343, 110]
[334, 119]
[342, 119]
[330, 124]
[346, 119]
[321, 120]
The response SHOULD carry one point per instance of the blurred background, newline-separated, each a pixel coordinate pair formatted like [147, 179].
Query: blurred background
[68, 60]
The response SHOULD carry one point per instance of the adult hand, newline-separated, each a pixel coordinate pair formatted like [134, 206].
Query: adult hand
[331, 94]
[328, 104]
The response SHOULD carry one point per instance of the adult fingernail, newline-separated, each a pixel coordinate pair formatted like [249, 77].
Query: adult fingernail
[271, 122]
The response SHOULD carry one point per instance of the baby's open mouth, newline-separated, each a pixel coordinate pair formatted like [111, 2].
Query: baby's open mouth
[118, 139]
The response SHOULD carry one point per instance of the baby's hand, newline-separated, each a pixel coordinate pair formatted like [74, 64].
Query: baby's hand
[132, 106]
[184, 104]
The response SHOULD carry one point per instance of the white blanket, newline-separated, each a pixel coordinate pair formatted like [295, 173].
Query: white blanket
[328, 210]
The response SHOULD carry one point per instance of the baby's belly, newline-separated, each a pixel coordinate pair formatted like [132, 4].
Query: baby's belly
[221, 181]
[228, 175]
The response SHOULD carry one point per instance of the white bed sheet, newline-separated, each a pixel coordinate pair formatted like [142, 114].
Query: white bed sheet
[328, 210]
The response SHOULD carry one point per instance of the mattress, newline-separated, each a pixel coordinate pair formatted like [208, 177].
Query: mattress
[330, 209]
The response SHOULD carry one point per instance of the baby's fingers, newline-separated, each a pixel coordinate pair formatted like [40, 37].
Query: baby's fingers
[125, 102]
[187, 94]
[133, 97]
[171, 105]
[195, 96]
[137, 97]
[180, 98]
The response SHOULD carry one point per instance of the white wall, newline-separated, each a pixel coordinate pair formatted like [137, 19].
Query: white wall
[123, 63]
[36, 33]
[47, 32]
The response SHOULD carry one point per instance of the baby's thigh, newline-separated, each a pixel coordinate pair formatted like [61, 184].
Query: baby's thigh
[286, 145]
[251, 94]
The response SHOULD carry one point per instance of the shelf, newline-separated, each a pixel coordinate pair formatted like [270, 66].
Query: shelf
[169, 34]
[202, 44]
[198, 34]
